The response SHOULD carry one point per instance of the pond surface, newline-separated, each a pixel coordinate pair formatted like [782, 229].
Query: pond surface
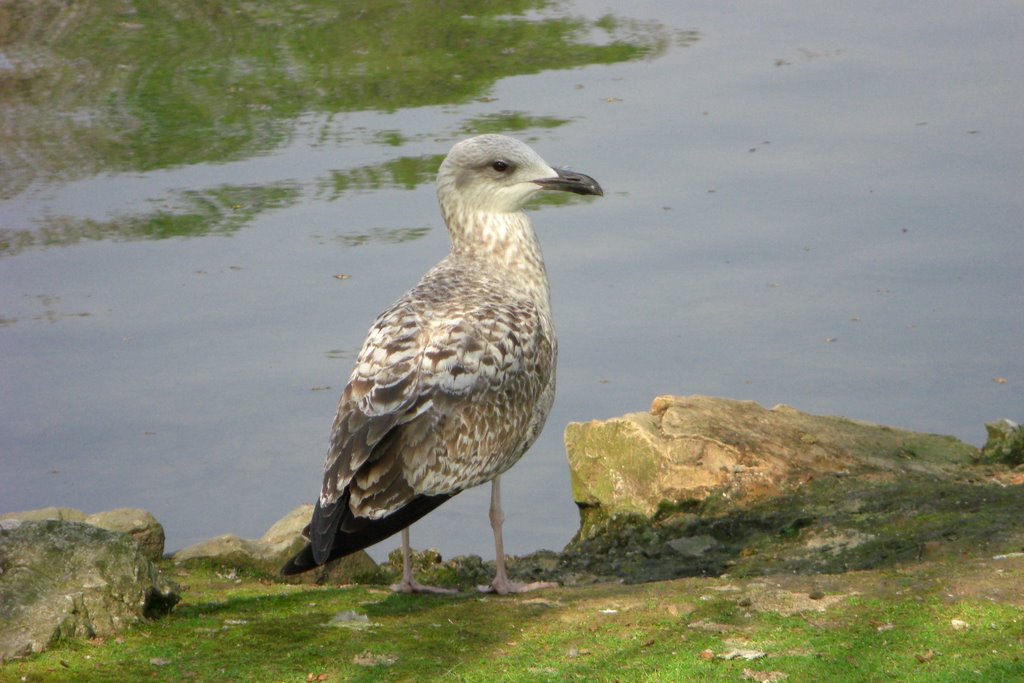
[202, 211]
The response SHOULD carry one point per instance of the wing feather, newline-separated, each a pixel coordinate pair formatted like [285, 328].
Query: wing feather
[434, 405]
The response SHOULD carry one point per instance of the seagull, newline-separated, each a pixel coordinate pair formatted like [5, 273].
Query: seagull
[455, 379]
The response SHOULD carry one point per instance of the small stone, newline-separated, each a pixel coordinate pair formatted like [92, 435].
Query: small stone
[692, 546]
[350, 619]
[740, 653]
[371, 659]
[764, 676]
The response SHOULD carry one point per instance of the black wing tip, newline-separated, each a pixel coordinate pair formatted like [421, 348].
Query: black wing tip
[302, 562]
[341, 543]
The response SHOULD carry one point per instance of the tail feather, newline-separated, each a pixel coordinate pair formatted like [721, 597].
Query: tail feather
[369, 531]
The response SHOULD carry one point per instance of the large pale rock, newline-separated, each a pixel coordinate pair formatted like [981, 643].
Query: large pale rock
[701, 486]
[690, 451]
[63, 579]
[269, 553]
[139, 524]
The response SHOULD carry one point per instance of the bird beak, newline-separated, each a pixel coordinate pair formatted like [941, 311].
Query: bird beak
[571, 181]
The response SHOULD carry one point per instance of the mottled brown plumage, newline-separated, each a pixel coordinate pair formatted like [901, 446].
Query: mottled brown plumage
[457, 377]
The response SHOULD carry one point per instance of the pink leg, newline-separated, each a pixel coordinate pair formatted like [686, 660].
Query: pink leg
[409, 584]
[501, 584]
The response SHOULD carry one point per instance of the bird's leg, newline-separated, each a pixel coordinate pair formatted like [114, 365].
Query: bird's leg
[407, 580]
[409, 584]
[501, 584]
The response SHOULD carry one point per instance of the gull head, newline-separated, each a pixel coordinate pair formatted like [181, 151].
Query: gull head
[498, 174]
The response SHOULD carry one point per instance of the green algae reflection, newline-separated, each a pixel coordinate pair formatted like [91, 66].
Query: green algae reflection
[120, 86]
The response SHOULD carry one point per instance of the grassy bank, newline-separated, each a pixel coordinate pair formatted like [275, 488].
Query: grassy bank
[946, 619]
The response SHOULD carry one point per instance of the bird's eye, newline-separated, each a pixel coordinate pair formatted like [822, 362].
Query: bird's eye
[500, 166]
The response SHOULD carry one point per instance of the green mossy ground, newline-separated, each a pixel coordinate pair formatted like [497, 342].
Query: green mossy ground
[946, 619]
[912, 580]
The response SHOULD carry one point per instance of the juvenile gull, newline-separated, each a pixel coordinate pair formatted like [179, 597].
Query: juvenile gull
[457, 377]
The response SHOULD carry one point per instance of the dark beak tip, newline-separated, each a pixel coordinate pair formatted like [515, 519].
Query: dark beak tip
[588, 185]
[570, 181]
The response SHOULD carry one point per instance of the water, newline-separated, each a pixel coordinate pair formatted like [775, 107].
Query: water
[804, 205]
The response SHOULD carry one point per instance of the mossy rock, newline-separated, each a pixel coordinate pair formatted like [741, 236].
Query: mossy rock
[717, 455]
[1005, 443]
[61, 580]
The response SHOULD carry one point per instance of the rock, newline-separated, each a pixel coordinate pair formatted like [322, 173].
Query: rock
[358, 567]
[137, 523]
[689, 451]
[284, 537]
[350, 619]
[62, 580]
[227, 549]
[268, 554]
[692, 545]
[704, 486]
[67, 514]
[1005, 442]
[464, 572]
